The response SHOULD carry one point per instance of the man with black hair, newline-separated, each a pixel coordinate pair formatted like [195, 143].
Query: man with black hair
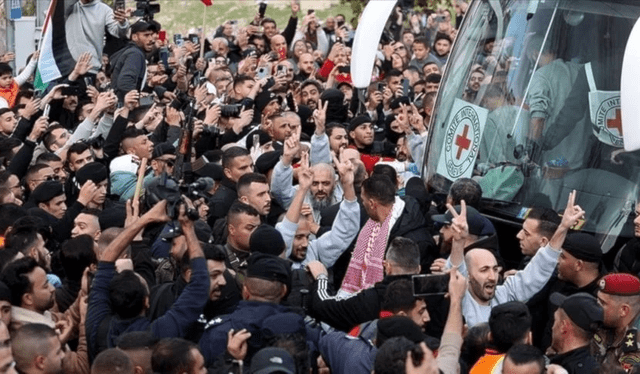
[526, 359]
[242, 220]
[345, 354]
[25, 238]
[119, 301]
[124, 169]
[310, 90]
[129, 64]
[253, 189]
[401, 261]
[432, 83]
[76, 255]
[537, 230]
[391, 357]
[236, 162]
[268, 281]
[112, 361]
[37, 349]
[510, 324]
[54, 162]
[177, 356]
[390, 217]
[138, 345]
[87, 223]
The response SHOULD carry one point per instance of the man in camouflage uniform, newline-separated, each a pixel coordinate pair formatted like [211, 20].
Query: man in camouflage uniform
[617, 342]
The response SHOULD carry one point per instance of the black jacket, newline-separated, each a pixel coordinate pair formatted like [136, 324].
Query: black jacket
[412, 225]
[129, 68]
[344, 314]
[577, 361]
[221, 201]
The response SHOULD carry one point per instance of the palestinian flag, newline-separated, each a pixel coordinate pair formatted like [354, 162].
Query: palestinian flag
[55, 58]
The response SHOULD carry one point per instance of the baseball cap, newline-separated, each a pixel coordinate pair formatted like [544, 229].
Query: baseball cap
[272, 360]
[583, 247]
[475, 221]
[582, 308]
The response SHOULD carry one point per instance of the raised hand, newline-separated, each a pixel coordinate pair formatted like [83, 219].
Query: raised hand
[86, 192]
[459, 221]
[320, 117]
[345, 168]
[573, 213]
[82, 66]
[291, 149]
[305, 175]
[237, 343]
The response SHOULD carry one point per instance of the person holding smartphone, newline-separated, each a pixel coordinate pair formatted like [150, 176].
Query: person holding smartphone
[86, 25]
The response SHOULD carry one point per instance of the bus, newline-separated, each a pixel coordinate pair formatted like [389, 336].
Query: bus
[529, 106]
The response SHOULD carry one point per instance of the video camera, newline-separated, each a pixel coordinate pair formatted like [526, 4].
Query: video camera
[146, 9]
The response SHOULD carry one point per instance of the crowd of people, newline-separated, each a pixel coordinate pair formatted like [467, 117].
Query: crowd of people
[227, 204]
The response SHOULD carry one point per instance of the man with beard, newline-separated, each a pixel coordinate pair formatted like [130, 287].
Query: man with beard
[37, 349]
[129, 64]
[483, 270]
[296, 229]
[32, 297]
[310, 91]
[253, 189]
[324, 190]
[305, 67]
[371, 151]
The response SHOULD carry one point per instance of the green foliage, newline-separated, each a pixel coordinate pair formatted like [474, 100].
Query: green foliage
[178, 16]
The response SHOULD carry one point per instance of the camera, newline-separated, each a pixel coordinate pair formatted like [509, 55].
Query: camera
[230, 110]
[70, 91]
[146, 9]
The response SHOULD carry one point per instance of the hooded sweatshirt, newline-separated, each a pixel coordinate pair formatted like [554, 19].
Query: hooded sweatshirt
[85, 28]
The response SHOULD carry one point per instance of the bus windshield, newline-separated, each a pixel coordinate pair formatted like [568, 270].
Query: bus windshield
[530, 108]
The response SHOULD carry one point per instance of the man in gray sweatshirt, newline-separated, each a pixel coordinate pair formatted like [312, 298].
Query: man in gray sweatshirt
[85, 27]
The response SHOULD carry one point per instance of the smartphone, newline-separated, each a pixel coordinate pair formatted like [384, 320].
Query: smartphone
[162, 35]
[119, 4]
[88, 81]
[344, 69]
[146, 100]
[405, 87]
[177, 39]
[262, 8]
[256, 140]
[381, 86]
[70, 91]
[195, 39]
[430, 284]
[263, 72]
[45, 112]
[164, 57]
[281, 70]
[38, 94]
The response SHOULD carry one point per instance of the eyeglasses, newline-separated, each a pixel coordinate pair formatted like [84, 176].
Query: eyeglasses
[168, 162]
[48, 178]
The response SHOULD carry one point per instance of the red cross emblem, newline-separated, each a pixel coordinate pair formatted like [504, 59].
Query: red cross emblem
[615, 122]
[462, 141]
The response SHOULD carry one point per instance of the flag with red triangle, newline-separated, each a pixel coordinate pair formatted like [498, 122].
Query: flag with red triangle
[207, 2]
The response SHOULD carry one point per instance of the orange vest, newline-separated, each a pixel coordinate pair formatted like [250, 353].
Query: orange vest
[490, 363]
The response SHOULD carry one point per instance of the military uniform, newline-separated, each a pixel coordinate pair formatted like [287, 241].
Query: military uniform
[624, 351]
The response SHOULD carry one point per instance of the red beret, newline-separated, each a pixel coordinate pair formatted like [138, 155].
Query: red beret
[620, 284]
